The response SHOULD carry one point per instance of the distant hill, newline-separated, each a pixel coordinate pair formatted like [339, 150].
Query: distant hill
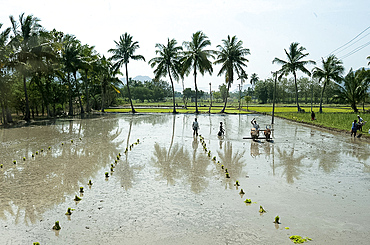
[142, 78]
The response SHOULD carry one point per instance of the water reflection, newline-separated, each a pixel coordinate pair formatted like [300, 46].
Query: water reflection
[30, 187]
[291, 164]
[234, 162]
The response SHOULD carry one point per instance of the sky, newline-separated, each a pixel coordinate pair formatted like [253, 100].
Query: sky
[266, 28]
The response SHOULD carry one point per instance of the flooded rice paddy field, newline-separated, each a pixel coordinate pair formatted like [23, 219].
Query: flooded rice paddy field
[167, 189]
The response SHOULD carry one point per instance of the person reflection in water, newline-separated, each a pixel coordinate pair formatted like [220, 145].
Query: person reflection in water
[195, 127]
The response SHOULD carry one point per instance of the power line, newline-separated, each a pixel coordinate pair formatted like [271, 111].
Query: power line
[350, 40]
[355, 50]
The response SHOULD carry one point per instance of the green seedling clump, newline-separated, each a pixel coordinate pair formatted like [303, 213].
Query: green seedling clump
[81, 189]
[298, 239]
[214, 158]
[71, 141]
[138, 141]
[248, 201]
[241, 192]
[56, 226]
[227, 175]
[262, 210]
[277, 220]
[37, 152]
[1, 166]
[77, 198]
[24, 158]
[42, 150]
[117, 157]
[111, 169]
[49, 147]
[237, 183]
[36, 243]
[33, 155]
[222, 166]
[90, 182]
[62, 143]
[106, 174]
[226, 170]
[15, 162]
[69, 211]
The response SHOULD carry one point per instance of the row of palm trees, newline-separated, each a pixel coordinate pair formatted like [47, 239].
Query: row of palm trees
[331, 71]
[176, 63]
[42, 57]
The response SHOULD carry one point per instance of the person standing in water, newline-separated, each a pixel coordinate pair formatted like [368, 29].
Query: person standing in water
[354, 128]
[195, 127]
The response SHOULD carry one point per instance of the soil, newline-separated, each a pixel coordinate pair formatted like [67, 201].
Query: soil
[166, 189]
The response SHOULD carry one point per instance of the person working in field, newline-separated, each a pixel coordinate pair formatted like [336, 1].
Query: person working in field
[360, 123]
[313, 115]
[255, 124]
[195, 127]
[354, 128]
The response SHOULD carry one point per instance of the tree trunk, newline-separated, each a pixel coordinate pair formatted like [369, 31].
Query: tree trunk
[27, 112]
[296, 91]
[70, 112]
[128, 90]
[173, 91]
[322, 95]
[196, 89]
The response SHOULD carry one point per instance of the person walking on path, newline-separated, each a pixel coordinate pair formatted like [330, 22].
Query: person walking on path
[195, 127]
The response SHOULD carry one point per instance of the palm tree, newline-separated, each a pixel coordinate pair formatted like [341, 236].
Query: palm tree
[123, 52]
[25, 42]
[168, 62]
[197, 59]
[354, 88]
[332, 69]
[231, 56]
[294, 64]
[5, 87]
[254, 79]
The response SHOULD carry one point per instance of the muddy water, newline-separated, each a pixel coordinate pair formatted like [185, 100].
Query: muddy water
[167, 190]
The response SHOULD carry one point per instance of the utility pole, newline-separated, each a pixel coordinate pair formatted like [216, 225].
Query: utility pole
[210, 97]
[239, 95]
[273, 103]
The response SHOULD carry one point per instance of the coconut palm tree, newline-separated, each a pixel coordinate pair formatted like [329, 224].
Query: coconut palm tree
[332, 70]
[25, 41]
[168, 62]
[196, 58]
[231, 57]
[294, 64]
[254, 79]
[124, 51]
[354, 88]
[5, 87]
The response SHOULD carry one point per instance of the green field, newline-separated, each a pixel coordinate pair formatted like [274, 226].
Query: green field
[335, 118]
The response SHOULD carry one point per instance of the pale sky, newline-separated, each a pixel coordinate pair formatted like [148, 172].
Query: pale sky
[266, 27]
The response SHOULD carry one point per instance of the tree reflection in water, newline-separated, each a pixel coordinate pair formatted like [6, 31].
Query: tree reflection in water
[35, 185]
[233, 162]
[291, 165]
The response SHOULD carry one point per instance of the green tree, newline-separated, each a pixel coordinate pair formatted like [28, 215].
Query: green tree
[332, 70]
[5, 83]
[168, 62]
[223, 92]
[25, 42]
[231, 57]
[196, 58]
[294, 64]
[354, 87]
[248, 99]
[254, 79]
[124, 51]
